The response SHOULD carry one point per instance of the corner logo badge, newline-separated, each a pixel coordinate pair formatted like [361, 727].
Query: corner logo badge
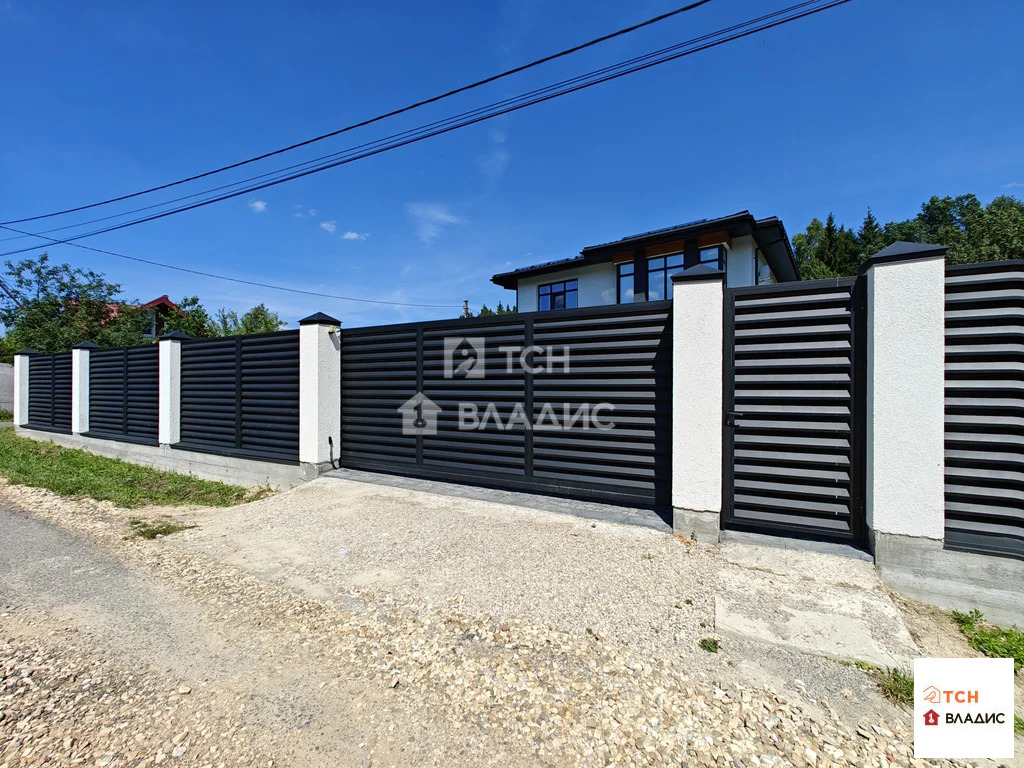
[932, 695]
[464, 357]
[931, 717]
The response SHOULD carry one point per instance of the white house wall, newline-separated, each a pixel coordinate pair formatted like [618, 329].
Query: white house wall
[596, 286]
[741, 263]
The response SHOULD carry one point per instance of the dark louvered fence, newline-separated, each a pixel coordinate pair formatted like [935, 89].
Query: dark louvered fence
[240, 396]
[49, 392]
[985, 408]
[793, 451]
[124, 393]
[619, 358]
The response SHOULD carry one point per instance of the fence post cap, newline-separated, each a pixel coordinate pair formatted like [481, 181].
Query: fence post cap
[904, 251]
[86, 345]
[26, 351]
[175, 336]
[698, 272]
[319, 318]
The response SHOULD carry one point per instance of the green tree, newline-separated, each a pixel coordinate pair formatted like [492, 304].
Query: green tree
[55, 306]
[259, 319]
[193, 320]
[973, 232]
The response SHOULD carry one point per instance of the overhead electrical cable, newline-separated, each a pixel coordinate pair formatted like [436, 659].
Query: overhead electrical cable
[485, 113]
[253, 282]
[439, 123]
[378, 118]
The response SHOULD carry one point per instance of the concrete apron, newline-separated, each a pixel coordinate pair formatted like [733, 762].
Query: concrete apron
[810, 602]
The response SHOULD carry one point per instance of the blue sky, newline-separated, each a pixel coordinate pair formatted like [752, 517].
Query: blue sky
[875, 103]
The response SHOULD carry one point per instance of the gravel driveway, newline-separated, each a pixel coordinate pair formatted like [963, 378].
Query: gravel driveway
[344, 623]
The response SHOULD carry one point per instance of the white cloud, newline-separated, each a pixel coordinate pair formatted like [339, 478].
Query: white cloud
[498, 137]
[1013, 185]
[493, 162]
[350, 235]
[429, 219]
[312, 211]
[259, 206]
[329, 226]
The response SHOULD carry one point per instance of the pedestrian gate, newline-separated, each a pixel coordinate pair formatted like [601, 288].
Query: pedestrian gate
[793, 415]
[470, 386]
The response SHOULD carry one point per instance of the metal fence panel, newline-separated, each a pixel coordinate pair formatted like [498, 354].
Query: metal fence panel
[240, 395]
[49, 392]
[792, 437]
[124, 393]
[985, 408]
[619, 355]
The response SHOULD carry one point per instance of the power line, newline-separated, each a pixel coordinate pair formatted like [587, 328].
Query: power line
[485, 113]
[446, 121]
[245, 282]
[378, 118]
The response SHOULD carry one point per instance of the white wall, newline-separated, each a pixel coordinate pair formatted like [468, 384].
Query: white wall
[6, 387]
[697, 420]
[741, 263]
[905, 398]
[596, 286]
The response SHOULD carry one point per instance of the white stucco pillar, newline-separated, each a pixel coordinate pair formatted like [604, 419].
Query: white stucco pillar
[319, 389]
[169, 419]
[905, 372]
[21, 366]
[80, 386]
[698, 295]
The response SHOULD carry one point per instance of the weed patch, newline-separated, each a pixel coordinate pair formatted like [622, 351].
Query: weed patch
[151, 529]
[709, 644]
[991, 640]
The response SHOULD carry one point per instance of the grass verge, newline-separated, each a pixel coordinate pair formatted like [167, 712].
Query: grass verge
[1018, 725]
[77, 473]
[991, 640]
[151, 529]
[6, 415]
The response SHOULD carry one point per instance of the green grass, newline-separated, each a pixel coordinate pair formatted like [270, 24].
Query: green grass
[77, 473]
[897, 685]
[150, 529]
[991, 640]
[1018, 725]
[709, 644]
[6, 415]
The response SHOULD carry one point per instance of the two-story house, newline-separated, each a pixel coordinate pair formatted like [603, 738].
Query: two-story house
[638, 268]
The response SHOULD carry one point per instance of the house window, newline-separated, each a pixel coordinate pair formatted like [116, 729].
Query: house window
[558, 295]
[625, 283]
[763, 272]
[659, 276]
[713, 256]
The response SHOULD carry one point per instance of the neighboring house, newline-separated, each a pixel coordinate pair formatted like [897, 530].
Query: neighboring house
[638, 268]
[156, 312]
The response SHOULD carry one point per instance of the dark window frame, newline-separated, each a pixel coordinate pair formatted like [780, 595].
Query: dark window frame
[661, 276]
[619, 275]
[563, 290]
[718, 261]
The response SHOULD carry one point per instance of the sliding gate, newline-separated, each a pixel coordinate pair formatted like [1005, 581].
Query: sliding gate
[793, 415]
[575, 403]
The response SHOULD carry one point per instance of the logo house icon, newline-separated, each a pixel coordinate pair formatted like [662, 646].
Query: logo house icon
[464, 357]
[932, 695]
[931, 717]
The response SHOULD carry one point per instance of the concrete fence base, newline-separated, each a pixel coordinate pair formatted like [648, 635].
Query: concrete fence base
[704, 527]
[208, 466]
[926, 571]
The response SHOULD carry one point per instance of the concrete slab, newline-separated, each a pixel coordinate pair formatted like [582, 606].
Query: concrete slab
[609, 513]
[821, 604]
